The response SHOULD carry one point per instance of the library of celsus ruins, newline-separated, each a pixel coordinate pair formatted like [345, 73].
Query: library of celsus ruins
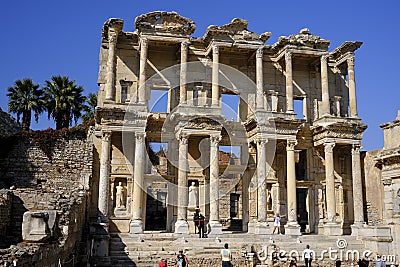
[292, 147]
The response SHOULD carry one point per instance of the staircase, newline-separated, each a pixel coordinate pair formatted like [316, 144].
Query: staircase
[149, 248]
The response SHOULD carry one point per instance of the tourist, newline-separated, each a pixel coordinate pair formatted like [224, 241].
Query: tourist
[196, 220]
[182, 260]
[277, 224]
[307, 255]
[226, 256]
[293, 262]
[163, 263]
[201, 225]
[379, 262]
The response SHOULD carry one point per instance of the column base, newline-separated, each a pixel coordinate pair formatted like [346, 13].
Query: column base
[251, 225]
[214, 229]
[136, 227]
[181, 227]
[333, 228]
[356, 227]
[262, 228]
[292, 229]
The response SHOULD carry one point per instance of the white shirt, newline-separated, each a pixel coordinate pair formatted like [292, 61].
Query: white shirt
[307, 253]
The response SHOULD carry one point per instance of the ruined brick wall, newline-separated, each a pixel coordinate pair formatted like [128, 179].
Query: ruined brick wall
[48, 171]
[5, 211]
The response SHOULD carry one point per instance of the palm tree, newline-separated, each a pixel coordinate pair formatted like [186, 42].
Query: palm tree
[89, 109]
[25, 97]
[65, 101]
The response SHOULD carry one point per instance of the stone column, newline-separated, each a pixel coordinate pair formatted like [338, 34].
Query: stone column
[215, 79]
[324, 85]
[104, 179]
[352, 87]
[357, 186]
[259, 79]
[330, 182]
[293, 227]
[181, 225]
[182, 86]
[215, 225]
[289, 83]
[136, 226]
[142, 71]
[262, 224]
[111, 65]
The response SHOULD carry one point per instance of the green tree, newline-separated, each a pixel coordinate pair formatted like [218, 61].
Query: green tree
[65, 101]
[25, 97]
[90, 108]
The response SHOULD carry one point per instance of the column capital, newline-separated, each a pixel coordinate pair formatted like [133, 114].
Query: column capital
[261, 141]
[214, 140]
[183, 139]
[184, 45]
[324, 58]
[106, 135]
[143, 42]
[329, 147]
[140, 137]
[350, 61]
[215, 49]
[356, 149]
[260, 52]
[290, 145]
[288, 56]
[112, 37]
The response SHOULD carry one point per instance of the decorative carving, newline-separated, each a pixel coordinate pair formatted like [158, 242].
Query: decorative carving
[184, 46]
[144, 43]
[107, 136]
[120, 196]
[183, 139]
[140, 137]
[168, 22]
[303, 38]
[215, 49]
[356, 149]
[288, 56]
[260, 52]
[329, 147]
[350, 61]
[193, 196]
[112, 27]
[290, 145]
[214, 140]
[324, 58]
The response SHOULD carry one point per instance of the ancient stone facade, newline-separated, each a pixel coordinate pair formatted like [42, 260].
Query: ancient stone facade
[296, 127]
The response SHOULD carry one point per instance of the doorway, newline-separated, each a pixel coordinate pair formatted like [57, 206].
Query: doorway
[156, 211]
[302, 213]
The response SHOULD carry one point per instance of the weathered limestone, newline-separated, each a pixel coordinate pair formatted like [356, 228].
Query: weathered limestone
[114, 28]
[136, 225]
[357, 189]
[142, 70]
[182, 86]
[104, 182]
[293, 227]
[214, 224]
[325, 85]
[38, 226]
[181, 225]
[215, 76]
[289, 82]
[262, 225]
[352, 87]
[259, 79]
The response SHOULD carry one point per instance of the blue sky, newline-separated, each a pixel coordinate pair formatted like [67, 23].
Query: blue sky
[43, 38]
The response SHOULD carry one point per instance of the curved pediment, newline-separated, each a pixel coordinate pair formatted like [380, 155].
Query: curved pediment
[303, 39]
[165, 22]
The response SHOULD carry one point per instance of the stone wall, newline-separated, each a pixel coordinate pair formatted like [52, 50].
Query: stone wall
[48, 171]
[5, 214]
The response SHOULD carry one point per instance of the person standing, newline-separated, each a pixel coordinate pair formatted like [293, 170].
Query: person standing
[196, 220]
[201, 225]
[307, 255]
[163, 263]
[277, 224]
[379, 262]
[226, 256]
[182, 260]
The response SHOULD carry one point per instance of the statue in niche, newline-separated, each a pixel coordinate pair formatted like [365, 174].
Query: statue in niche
[120, 196]
[193, 196]
[396, 203]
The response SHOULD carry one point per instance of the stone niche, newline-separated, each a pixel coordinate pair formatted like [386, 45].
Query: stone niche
[39, 226]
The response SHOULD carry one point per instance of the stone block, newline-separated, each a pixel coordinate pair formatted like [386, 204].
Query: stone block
[38, 226]
[214, 229]
[182, 227]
